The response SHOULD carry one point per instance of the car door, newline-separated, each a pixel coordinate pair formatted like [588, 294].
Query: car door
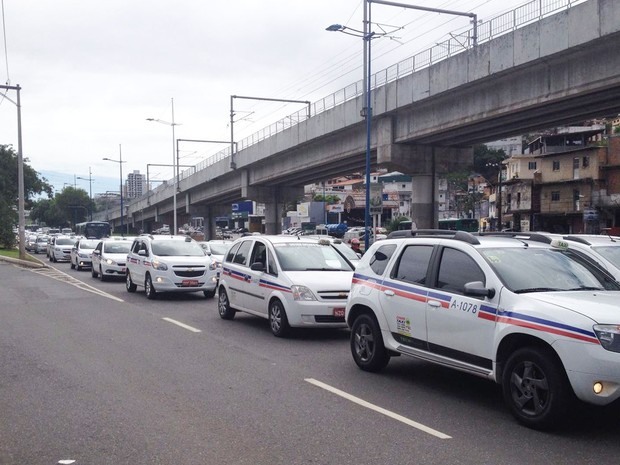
[457, 323]
[96, 256]
[404, 293]
[237, 274]
[256, 293]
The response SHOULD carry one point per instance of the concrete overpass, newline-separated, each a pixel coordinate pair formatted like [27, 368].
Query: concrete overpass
[558, 69]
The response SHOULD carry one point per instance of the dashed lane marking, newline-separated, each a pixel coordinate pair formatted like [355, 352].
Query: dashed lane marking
[378, 409]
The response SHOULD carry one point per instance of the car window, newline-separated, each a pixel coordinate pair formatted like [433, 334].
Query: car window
[271, 264]
[218, 249]
[537, 269]
[259, 254]
[232, 252]
[241, 257]
[381, 258]
[611, 253]
[116, 247]
[413, 264]
[456, 268]
[177, 249]
[305, 256]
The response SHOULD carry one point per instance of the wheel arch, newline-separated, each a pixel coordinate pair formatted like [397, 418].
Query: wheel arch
[516, 341]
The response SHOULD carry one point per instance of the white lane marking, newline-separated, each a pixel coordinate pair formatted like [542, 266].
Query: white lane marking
[58, 275]
[182, 325]
[381, 410]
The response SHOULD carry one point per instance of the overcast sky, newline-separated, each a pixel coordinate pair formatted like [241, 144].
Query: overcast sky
[91, 72]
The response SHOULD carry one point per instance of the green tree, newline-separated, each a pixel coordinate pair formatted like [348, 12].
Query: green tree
[33, 185]
[74, 204]
[487, 161]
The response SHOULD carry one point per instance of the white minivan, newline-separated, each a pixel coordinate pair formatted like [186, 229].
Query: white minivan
[292, 281]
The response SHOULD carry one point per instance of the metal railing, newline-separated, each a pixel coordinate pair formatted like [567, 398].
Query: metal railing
[505, 23]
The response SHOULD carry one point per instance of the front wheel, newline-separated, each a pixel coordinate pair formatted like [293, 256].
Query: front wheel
[102, 276]
[278, 320]
[209, 294]
[223, 306]
[129, 284]
[93, 273]
[367, 346]
[149, 289]
[535, 388]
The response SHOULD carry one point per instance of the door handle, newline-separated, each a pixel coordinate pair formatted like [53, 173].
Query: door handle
[389, 293]
[434, 303]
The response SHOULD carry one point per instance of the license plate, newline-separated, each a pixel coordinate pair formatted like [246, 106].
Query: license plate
[189, 283]
[339, 312]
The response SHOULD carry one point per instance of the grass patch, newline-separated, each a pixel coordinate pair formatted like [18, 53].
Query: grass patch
[14, 253]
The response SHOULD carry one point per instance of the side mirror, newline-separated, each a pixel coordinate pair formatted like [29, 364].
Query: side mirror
[477, 289]
[142, 253]
[257, 266]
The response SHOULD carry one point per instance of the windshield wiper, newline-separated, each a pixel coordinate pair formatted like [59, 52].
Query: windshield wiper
[586, 288]
[537, 289]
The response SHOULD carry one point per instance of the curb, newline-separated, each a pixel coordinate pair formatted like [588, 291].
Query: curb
[26, 263]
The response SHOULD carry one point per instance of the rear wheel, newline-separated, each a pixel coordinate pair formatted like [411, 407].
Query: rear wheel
[149, 289]
[278, 320]
[535, 387]
[367, 346]
[223, 306]
[129, 284]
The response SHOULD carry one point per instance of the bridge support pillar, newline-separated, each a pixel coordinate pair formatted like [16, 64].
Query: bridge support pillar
[425, 164]
[275, 199]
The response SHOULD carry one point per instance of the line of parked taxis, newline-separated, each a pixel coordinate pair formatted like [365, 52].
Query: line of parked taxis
[537, 313]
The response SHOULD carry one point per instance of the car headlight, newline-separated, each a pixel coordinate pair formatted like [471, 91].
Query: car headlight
[109, 261]
[213, 266]
[157, 265]
[302, 293]
[608, 336]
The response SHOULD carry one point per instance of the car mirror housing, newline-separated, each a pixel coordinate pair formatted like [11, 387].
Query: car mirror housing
[476, 288]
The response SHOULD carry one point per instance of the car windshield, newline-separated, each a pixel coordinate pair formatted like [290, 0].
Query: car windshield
[304, 256]
[611, 253]
[177, 249]
[88, 244]
[541, 270]
[218, 249]
[63, 241]
[347, 251]
[116, 247]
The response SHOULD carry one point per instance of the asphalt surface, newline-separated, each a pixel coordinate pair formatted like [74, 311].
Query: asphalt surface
[91, 373]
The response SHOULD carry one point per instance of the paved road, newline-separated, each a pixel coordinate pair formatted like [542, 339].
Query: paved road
[91, 373]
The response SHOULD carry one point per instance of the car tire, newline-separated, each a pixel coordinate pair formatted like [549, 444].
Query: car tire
[223, 306]
[129, 284]
[367, 346]
[535, 388]
[149, 289]
[72, 265]
[278, 320]
[102, 277]
[209, 294]
[79, 268]
[93, 273]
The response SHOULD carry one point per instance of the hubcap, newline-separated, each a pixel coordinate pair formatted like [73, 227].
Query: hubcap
[364, 343]
[276, 318]
[223, 303]
[530, 389]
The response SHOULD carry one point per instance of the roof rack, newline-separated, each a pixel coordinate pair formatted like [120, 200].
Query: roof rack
[581, 240]
[531, 236]
[441, 233]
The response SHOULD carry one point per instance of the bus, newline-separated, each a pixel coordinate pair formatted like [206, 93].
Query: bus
[93, 229]
[460, 224]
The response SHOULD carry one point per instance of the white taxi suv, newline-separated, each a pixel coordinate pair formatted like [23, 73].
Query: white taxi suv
[290, 280]
[169, 264]
[528, 313]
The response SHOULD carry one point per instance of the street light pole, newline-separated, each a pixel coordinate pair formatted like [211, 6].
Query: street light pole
[175, 165]
[120, 166]
[21, 217]
[90, 191]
